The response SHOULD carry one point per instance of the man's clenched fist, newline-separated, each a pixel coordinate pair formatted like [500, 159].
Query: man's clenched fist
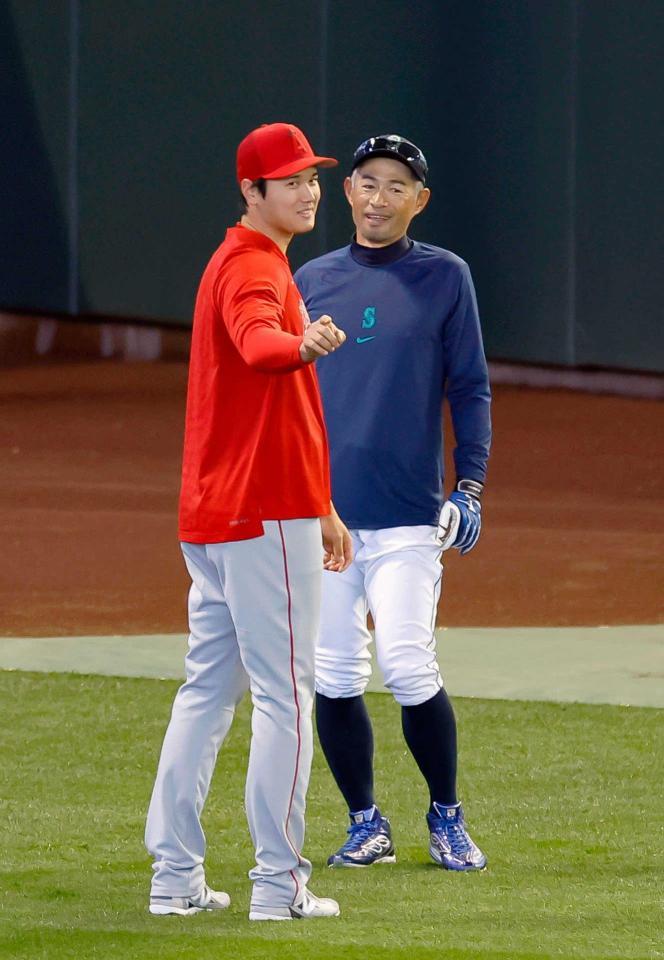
[320, 338]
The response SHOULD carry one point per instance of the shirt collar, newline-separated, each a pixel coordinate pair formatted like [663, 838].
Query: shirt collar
[380, 256]
[255, 239]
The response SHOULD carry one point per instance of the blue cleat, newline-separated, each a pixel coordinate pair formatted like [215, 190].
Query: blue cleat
[369, 841]
[449, 843]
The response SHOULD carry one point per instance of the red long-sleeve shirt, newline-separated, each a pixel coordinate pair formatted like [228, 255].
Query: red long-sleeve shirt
[255, 444]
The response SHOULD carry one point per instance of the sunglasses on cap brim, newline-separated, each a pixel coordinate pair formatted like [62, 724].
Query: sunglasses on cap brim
[393, 146]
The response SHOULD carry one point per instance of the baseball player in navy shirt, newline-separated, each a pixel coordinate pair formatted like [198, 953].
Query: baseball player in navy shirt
[414, 337]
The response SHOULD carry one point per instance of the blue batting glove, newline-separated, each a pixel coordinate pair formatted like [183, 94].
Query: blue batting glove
[461, 517]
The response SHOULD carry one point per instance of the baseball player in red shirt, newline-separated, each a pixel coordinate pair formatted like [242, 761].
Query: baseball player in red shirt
[255, 499]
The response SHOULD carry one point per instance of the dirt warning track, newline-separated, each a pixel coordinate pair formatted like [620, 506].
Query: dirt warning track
[573, 530]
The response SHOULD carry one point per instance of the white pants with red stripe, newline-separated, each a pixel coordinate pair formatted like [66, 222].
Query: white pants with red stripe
[253, 615]
[396, 573]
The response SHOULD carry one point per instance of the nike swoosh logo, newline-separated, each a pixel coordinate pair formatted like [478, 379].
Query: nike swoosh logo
[364, 339]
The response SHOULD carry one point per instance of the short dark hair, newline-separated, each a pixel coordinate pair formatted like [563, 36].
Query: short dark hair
[261, 186]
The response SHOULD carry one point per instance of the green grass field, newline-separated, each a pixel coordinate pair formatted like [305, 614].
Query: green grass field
[565, 800]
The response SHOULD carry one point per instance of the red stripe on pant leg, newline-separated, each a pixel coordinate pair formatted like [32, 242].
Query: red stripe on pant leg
[297, 708]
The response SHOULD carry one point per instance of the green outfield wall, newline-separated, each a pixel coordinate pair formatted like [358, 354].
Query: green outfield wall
[540, 121]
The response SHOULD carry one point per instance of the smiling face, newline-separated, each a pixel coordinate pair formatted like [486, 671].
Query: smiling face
[288, 207]
[385, 196]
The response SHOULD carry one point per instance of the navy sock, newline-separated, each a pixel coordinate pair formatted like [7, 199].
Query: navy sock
[430, 732]
[345, 734]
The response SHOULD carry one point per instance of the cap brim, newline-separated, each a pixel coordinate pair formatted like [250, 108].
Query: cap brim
[296, 166]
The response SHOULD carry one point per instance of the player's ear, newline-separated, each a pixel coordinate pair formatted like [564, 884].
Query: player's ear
[422, 200]
[348, 186]
[249, 191]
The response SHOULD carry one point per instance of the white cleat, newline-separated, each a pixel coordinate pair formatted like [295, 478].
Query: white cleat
[308, 907]
[187, 906]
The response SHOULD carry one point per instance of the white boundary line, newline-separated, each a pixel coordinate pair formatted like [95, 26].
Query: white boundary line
[614, 665]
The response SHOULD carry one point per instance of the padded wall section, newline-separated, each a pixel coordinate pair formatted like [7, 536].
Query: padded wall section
[541, 123]
[620, 195]
[384, 77]
[34, 176]
[169, 89]
[504, 89]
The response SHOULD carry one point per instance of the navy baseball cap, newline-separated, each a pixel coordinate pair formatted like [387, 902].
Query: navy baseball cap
[394, 147]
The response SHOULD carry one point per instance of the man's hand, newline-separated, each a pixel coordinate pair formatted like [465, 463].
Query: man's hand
[336, 542]
[320, 338]
[460, 521]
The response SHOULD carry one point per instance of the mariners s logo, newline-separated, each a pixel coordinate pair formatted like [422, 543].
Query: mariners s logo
[368, 323]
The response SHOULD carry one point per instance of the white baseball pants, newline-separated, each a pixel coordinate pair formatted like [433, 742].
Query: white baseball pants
[396, 573]
[253, 615]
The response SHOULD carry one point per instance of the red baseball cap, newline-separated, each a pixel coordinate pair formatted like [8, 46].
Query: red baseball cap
[276, 150]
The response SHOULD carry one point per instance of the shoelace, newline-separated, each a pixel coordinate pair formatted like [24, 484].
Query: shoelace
[459, 840]
[359, 833]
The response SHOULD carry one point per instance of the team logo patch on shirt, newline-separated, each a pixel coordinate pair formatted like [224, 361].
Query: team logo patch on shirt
[368, 323]
[369, 318]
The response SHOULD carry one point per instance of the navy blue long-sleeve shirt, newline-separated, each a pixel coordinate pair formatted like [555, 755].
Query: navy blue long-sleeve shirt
[410, 315]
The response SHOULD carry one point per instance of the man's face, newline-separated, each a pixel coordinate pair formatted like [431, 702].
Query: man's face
[385, 196]
[289, 205]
